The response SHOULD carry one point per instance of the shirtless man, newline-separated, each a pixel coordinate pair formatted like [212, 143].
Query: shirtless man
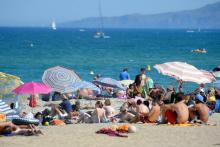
[154, 113]
[177, 113]
[199, 110]
[27, 130]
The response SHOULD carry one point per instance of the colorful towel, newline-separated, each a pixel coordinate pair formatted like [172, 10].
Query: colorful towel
[110, 132]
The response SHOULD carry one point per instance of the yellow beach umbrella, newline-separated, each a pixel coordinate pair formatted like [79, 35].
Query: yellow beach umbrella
[127, 82]
[8, 83]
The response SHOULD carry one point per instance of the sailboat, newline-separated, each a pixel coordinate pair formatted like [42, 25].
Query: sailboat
[100, 33]
[53, 25]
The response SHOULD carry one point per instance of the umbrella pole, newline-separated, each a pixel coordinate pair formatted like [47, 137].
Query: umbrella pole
[32, 104]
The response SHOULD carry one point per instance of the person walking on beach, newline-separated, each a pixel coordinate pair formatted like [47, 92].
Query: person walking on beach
[124, 75]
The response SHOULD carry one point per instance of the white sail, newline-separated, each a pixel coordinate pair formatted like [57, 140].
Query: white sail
[53, 25]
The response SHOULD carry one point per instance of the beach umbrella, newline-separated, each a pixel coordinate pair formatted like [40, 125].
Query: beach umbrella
[208, 75]
[8, 83]
[32, 88]
[127, 82]
[60, 79]
[183, 71]
[86, 85]
[109, 82]
[216, 84]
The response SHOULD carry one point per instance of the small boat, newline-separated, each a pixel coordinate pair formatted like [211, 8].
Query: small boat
[199, 50]
[100, 33]
[82, 30]
[190, 31]
[53, 25]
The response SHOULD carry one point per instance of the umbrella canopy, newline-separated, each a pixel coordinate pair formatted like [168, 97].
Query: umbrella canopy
[109, 82]
[86, 85]
[32, 88]
[183, 71]
[127, 82]
[217, 84]
[60, 79]
[8, 83]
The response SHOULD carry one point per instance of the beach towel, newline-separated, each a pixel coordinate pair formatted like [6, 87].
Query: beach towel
[57, 122]
[171, 116]
[110, 132]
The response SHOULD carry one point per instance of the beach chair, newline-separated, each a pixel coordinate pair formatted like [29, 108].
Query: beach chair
[10, 113]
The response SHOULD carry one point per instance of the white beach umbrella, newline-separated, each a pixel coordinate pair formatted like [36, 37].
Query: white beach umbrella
[60, 79]
[183, 71]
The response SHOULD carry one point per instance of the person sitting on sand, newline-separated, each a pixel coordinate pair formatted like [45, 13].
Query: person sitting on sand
[109, 110]
[9, 128]
[125, 116]
[177, 113]
[199, 110]
[97, 116]
[153, 115]
[170, 95]
[132, 108]
[63, 110]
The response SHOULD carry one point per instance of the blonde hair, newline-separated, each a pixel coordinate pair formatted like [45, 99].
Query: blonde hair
[107, 102]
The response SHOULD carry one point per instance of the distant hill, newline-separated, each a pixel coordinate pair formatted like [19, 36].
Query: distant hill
[206, 17]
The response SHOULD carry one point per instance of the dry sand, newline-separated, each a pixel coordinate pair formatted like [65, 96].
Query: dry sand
[147, 135]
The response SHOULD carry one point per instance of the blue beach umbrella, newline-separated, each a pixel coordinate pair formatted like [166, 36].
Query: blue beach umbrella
[86, 85]
[109, 82]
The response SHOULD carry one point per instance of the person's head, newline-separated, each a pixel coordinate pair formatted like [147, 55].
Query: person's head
[199, 99]
[12, 105]
[131, 86]
[142, 70]
[137, 80]
[123, 109]
[156, 85]
[202, 85]
[146, 103]
[131, 102]
[170, 88]
[211, 91]
[139, 102]
[179, 97]
[125, 69]
[99, 104]
[107, 102]
[46, 112]
[38, 115]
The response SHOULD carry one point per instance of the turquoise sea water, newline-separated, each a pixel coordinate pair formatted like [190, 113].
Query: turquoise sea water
[27, 52]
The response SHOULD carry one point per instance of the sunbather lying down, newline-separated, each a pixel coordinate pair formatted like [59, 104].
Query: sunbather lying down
[9, 128]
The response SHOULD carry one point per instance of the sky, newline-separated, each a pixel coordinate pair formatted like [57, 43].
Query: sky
[42, 12]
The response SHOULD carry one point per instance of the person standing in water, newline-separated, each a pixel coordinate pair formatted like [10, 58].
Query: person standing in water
[124, 75]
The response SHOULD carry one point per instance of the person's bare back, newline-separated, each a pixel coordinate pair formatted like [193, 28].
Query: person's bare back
[182, 112]
[203, 111]
[154, 113]
[142, 109]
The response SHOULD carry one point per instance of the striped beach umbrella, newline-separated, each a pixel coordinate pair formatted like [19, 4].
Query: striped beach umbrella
[60, 79]
[8, 83]
[183, 71]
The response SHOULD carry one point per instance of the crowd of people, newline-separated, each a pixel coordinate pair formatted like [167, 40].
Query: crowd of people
[144, 102]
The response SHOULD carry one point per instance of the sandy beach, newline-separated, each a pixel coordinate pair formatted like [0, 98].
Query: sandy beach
[147, 135]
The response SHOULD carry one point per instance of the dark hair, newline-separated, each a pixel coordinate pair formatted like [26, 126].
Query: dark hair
[100, 104]
[142, 69]
[37, 114]
[179, 96]
[125, 69]
[12, 105]
[130, 85]
[137, 80]
[139, 102]
[6, 130]
[146, 103]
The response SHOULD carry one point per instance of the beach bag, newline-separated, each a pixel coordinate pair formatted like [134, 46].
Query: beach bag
[32, 102]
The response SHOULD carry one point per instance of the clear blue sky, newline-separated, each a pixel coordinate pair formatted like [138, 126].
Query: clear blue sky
[41, 12]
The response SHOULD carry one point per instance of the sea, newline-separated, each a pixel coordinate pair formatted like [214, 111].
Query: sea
[28, 52]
